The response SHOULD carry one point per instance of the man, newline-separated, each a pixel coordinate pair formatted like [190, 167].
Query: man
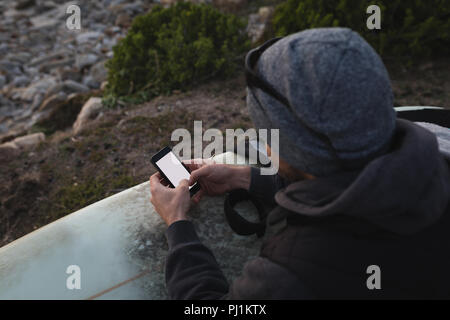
[358, 188]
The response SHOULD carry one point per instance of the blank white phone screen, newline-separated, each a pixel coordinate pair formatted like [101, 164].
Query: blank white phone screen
[173, 169]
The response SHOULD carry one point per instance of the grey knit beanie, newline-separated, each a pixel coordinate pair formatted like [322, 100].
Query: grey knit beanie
[337, 84]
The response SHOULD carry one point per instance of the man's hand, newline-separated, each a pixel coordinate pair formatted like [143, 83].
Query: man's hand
[172, 204]
[216, 179]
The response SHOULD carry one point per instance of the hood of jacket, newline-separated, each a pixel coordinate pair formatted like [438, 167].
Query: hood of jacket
[403, 191]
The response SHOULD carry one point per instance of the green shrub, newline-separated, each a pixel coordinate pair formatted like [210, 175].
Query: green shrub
[175, 48]
[409, 28]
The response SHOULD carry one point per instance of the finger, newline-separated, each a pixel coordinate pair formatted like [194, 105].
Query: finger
[197, 174]
[164, 182]
[156, 174]
[198, 196]
[155, 182]
[194, 164]
[182, 188]
[152, 178]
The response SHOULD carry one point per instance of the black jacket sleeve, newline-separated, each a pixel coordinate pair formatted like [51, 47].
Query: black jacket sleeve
[192, 271]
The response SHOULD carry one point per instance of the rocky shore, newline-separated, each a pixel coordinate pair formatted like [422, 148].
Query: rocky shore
[44, 64]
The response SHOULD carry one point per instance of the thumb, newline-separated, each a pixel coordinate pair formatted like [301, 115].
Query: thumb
[154, 182]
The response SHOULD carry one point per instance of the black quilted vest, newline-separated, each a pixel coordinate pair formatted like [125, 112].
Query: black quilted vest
[330, 256]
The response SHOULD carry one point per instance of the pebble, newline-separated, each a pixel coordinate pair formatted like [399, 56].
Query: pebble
[99, 72]
[46, 67]
[85, 60]
[3, 48]
[29, 140]
[11, 68]
[73, 86]
[48, 57]
[51, 102]
[123, 20]
[258, 23]
[21, 81]
[40, 86]
[23, 4]
[37, 101]
[2, 81]
[91, 82]
[89, 110]
[21, 57]
[88, 37]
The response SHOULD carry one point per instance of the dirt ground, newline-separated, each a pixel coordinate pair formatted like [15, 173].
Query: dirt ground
[68, 172]
[424, 84]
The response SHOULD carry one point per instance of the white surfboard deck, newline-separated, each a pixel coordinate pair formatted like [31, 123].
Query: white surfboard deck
[120, 247]
[414, 108]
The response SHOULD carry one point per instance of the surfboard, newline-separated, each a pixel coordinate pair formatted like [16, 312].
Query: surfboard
[119, 247]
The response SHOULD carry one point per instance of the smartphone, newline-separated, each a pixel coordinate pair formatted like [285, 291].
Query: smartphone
[172, 169]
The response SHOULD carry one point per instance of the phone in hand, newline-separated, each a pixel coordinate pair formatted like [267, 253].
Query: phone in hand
[172, 169]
